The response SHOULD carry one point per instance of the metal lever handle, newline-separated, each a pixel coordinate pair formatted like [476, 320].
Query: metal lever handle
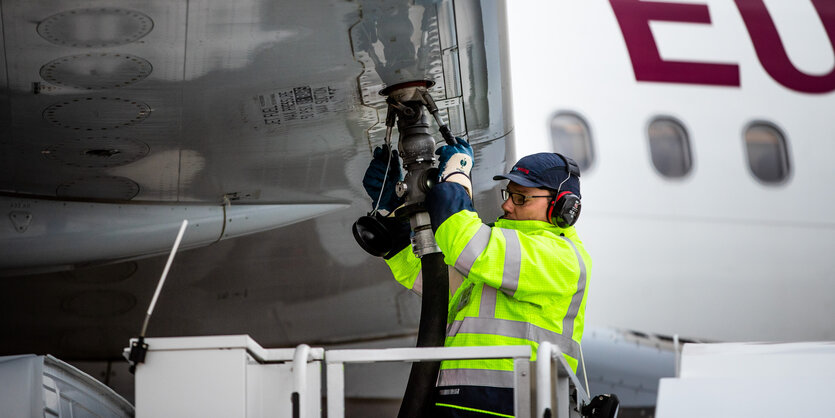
[427, 100]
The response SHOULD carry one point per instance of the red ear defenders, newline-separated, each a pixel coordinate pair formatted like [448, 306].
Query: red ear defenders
[564, 208]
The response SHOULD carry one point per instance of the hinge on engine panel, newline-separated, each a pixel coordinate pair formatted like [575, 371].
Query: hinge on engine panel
[243, 195]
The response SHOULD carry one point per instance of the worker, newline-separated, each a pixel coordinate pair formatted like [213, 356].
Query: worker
[523, 280]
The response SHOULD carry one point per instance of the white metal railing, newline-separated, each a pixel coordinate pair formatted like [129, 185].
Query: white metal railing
[335, 362]
[558, 385]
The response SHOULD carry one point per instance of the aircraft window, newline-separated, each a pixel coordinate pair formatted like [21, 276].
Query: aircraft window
[571, 136]
[669, 146]
[768, 155]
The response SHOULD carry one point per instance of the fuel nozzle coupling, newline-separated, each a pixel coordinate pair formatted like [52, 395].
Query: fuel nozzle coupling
[417, 148]
[408, 104]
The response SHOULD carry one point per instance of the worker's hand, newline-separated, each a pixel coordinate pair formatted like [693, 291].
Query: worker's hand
[376, 175]
[456, 162]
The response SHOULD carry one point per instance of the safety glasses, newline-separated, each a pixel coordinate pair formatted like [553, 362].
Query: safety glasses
[518, 199]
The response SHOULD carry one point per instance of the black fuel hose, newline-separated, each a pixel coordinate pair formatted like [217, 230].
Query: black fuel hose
[419, 399]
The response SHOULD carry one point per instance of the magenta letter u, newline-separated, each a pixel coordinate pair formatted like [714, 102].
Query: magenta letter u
[772, 53]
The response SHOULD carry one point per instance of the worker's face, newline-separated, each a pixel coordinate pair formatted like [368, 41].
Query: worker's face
[532, 210]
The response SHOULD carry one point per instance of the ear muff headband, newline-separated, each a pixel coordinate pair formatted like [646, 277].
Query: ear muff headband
[573, 167]
[568, 203]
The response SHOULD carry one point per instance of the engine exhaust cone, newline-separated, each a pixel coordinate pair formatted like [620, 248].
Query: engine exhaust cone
[373, 236]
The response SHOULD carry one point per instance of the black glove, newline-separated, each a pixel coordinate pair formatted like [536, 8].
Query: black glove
[379, 234]
[376, 174]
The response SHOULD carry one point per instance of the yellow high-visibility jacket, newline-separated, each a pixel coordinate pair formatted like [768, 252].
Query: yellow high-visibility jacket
[524, 282]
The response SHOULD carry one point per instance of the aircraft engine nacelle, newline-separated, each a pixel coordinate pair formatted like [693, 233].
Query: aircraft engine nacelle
[42, 233]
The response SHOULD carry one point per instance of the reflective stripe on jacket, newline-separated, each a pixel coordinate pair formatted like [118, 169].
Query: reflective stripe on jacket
[524, 282]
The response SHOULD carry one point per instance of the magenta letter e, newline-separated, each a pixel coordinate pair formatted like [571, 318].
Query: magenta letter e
[634, 17]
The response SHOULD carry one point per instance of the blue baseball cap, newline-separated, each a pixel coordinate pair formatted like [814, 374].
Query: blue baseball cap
[545, 169]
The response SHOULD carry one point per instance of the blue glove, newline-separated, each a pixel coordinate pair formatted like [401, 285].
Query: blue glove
[455, 164]
[373, 180]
